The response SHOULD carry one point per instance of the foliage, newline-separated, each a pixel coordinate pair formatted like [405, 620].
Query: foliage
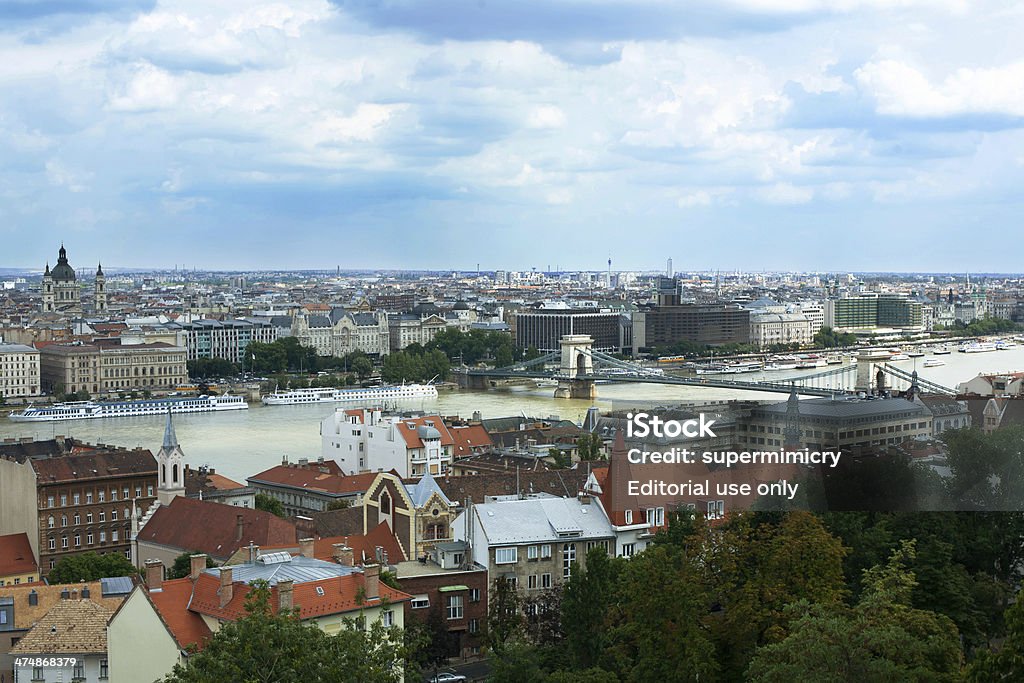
[340, 504]
[988, 469]
[268, 646]
[696, 349]
[476, 346]
[586, 605]
[516, 662]
[504, 614]
[211, 367]
[90, 566]
[827, 338]
[983, 327]
[1007, 663]
[415, 365]
[269, 504]
[182, 566]
[590, 447]
[881, 639]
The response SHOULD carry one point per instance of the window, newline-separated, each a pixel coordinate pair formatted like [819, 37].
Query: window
[78, 519]
[454, 606]
[650, 517]
[659, 516]
[76, 498]
[629, 516]
[474, 626]
[79, 671]
[149, 489]
[113, 535]
[104, 669]
[64, 542]
[113, 494]
[37, 673]
[545, 551]
[88, 498]
[545, 580]
[506, 555]
[474, 595]
[103, 537]
[420, 602]
[568, 557]
[88, 538]
[531, 581]
[52, 543]
[387, 618]
[103, 496]
[138, 491]
[532, 552]
[63, 500]
[78, 540]
[88, 518]
[628, 549]
[50, 522]
[103, 516]
[716, 509]
[49, 501]
[113, 515]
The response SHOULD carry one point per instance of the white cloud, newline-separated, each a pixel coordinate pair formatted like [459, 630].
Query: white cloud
[903, 90]
[785, 193]
[546, 116]
[146, 88]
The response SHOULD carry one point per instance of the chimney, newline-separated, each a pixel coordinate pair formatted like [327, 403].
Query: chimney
[197, 563]
[33, 598]
[238, 527]
[226, 590]
[371, 575]
[85, 592]
[154, 575]
[74, 594]
[65, 594]
[342, 554]
[284, 594]
[254, 552]
[306, 547]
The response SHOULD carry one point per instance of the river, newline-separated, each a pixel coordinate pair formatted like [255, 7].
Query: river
[241, 443]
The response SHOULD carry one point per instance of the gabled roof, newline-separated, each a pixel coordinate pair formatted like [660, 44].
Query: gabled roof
[409, 428]
[312, 479]
[421, 491]
[16, 555]
[468, 439]
[171, 605]
[94, 465]
[70, 627]
[212, 528]
[541, 520]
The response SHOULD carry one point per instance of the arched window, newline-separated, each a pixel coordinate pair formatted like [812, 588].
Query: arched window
[174, 473]
[163, 474]
[385, 503]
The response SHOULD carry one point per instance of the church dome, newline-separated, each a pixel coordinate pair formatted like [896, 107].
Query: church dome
[63, 272]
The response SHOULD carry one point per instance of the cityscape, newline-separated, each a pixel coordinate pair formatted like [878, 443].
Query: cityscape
[451, 342]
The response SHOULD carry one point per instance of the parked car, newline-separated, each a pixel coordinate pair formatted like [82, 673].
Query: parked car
[449, 678]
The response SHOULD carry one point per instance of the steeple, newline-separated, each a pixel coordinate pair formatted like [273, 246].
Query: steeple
[170, 438]
[46, 273]
[99, 270]
[791, 432]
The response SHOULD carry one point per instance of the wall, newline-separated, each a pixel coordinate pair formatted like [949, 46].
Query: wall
[138, 645]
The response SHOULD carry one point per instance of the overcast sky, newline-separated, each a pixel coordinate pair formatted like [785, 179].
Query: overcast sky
[754, 134]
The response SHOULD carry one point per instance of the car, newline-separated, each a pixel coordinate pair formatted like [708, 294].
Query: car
[449, 678]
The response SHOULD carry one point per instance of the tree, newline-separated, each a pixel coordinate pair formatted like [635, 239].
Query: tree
[1007, 663]
[182, 566]
[269, 504]
[362, 367]
[590, 447]
[90, 566]
[504, 614]
[827, 338]
[881, 639]
[585, 608]
[340, 504]
[264, 646]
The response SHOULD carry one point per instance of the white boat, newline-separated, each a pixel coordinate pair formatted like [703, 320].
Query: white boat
[899, 356]
[772, 367]
[934, 362]
[1003, 345]
[87, 410]
[941, 351]
[541, 383]
[977, 347]
[834, 360]
[915, 354]
[368, 394]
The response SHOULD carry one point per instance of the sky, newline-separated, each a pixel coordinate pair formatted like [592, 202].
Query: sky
[871, 135]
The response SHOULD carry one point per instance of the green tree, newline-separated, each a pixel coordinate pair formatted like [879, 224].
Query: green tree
[585, 607]
[183, 565]
[362, 367]
[504, 614]
[264, 646]
[1006, 663]
[881, 639]
[590, 447]
[90, 566]
[269, 504]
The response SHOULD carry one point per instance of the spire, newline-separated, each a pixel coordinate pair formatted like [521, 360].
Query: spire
[47, 272]
[791, 432]
[62, 255]
[170, 438]
[99, 270]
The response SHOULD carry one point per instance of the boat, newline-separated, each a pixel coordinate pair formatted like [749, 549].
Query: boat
[1003, 345]
[934, 362]
[810, 362]
[541, 383]
[834, 360]
[772, 367]
[915, 354]
[329, 395]
[87, 410]
[977, 347]
[941, 351]
[899, 356]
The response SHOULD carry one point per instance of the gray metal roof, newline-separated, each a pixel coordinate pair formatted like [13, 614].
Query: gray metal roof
[536, 520]
[421, 490]
[848, 407]
[299, 569]
[116, 585]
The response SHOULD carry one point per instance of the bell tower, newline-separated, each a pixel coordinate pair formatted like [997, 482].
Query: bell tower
[100, 292]
[47, 290]
[170, 464]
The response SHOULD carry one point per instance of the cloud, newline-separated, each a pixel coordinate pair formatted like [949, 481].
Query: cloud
[785, 193]
[900, 89]
[145, 88]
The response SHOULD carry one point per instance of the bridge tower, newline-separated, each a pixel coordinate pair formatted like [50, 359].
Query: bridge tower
[869, 363]
[576, 363]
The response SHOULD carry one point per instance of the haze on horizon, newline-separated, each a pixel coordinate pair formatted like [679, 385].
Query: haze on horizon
[780, 135]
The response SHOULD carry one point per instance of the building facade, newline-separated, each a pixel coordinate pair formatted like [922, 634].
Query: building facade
[227, 339]
[714, 325]
[366, 440]
[543, 328]
[108, 366]
[19, 371]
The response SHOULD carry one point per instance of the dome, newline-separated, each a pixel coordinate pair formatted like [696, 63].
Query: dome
[63, 272]
[461, 306]
[428, 433]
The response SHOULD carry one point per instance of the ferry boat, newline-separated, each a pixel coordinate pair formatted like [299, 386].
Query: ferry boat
[87, 410]
[328, 395]
[809, 362]
[934, 362]
[899, 356]
[834, 360]
[915, 354]
[978, 347]
[1003, 345]
[774, 366]
[941, 351]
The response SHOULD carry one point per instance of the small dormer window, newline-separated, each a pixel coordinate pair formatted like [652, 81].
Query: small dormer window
[629, 516]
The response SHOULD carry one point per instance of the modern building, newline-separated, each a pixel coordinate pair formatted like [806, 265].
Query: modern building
[868, 311]
[367, 440]
[542, 329]
[711, 324]
[19, 371]
[227, 339]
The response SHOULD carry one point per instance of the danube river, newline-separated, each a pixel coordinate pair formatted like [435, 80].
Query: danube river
[243, 442]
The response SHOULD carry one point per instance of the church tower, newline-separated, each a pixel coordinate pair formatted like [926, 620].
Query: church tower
[170, 462]
[100, 296]
[47, 290]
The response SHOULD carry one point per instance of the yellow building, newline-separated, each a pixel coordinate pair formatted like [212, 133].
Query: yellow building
[17, 563]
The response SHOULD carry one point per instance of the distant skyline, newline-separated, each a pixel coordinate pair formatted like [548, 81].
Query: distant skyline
[780, 135]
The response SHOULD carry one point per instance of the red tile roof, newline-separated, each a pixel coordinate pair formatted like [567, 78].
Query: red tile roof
[171, 605]
[470, 439]
[364, 546]
[94, 465]
[212, 528]
[339, 597]
[16, 555]
[310, 477]
[408, 427]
